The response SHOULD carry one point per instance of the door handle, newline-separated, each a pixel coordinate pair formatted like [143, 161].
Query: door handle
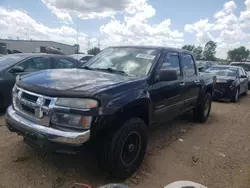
[197, 81]
[182, 84]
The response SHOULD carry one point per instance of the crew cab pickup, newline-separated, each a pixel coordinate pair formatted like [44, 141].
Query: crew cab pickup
[112, 101]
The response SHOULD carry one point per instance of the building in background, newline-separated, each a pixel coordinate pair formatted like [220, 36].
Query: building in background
[33, 46]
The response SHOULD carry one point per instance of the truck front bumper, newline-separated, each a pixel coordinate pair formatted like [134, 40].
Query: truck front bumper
[42, 134]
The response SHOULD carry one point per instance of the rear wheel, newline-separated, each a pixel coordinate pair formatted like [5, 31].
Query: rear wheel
[123, 153]
[202, 111]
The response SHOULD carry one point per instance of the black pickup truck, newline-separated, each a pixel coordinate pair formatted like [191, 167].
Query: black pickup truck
[112, 101]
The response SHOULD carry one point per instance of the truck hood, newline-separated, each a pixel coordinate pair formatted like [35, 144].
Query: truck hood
[72, 80]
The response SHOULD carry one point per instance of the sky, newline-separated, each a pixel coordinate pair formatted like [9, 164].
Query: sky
[129, 22]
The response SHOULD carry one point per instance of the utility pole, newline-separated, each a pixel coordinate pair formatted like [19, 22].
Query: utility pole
[88, 43]
[99, 44]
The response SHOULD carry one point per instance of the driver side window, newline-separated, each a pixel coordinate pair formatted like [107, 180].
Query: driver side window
[172, 62]
[35, 64]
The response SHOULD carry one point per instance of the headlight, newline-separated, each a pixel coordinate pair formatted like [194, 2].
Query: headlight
[71, 120]
[233, 85]
[77, 103]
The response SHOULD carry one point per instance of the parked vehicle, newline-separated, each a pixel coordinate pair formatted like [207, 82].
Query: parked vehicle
[112, 101]
[23, 63]
[82, 57]
[232, 81]
[245, 66]
[204, 65]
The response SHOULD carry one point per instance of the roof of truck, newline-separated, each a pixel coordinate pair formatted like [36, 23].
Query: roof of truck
[155, 47]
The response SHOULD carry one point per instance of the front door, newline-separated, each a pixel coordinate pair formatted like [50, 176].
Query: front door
[243, 81]
[167, 95]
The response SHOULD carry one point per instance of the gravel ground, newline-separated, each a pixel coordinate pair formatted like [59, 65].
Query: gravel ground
[216, 154]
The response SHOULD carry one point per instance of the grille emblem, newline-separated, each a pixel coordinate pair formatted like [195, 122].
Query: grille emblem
[38, 110]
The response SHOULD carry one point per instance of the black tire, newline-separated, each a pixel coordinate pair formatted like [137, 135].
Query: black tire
[236, 96]
[112, 158]
[202, 111]
[246, 91]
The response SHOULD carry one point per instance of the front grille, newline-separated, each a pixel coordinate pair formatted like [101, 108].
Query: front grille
[221, 86]
[33, 105]
[29, 97]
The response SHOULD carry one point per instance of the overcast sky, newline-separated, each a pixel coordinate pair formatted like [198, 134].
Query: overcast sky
[121, 22]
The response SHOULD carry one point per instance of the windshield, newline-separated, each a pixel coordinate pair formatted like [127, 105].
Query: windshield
[8, 60]
[224, 71]
[246, 67]
[131, 60]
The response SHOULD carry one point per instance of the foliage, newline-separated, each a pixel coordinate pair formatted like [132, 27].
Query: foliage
[198, 52]
[210, 51]
[77, 48]
[94, 51]
[238, 54]
[188, 47]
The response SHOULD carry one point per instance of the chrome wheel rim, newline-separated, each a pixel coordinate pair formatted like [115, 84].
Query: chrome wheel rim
[237, 95]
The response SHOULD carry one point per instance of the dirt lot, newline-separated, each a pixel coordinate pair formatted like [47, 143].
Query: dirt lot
[216, 154]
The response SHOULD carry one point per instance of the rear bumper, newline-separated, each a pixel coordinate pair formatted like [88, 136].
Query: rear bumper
[38, 133]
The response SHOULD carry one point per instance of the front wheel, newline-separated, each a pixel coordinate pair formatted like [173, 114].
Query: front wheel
[125, 150]
[236, 95]
[202, 111]
[246, 91]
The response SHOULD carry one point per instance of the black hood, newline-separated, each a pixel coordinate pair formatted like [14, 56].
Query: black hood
[74, 81]
[225, 79]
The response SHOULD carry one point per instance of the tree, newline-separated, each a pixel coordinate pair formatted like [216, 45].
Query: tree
[94, 51]
[238, 54]
[188, 47]
[210, 51]
[198, 52]
[77, 48]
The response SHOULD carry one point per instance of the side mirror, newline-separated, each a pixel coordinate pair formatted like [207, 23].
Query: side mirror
[16, 69]
[83, 61]
[167, 75]
[243, 76]
[201, 69]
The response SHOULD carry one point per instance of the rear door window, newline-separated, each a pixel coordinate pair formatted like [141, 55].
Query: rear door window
[62, 63]
[189, 68]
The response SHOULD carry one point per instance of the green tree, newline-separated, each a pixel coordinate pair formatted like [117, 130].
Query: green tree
[198, 52]
[238, 54]
[94, 51]
[77, 48]
[188, 47]
[210, 51]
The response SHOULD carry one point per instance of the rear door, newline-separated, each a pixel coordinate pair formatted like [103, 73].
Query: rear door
[167, 96]
[192, 81]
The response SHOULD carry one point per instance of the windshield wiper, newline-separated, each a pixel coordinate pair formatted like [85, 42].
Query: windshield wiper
[107, 70]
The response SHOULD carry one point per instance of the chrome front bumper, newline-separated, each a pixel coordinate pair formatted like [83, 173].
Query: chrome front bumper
[16, 122]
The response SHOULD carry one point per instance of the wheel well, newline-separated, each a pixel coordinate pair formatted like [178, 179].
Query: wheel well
[209, 90]
[110, 124]
[140, 110]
